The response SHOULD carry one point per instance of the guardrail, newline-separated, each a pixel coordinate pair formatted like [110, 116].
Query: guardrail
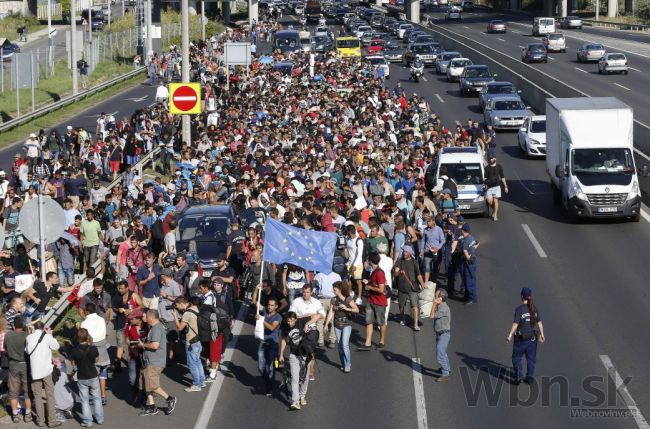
[617, 25]
[5, 126]
[61, 306]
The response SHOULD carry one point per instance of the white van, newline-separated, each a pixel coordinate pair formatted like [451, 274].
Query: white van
[543, 26]
[465, 166]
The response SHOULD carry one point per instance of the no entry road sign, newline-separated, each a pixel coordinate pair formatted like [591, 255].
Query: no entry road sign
[185, 98]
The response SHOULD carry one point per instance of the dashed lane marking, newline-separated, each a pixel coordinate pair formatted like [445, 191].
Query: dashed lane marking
[440, 98]
[418, 385]
[533, 240]
[621, 86]
[621, 388]
[579, 69]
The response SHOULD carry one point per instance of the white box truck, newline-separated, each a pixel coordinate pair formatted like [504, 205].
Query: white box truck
[589, 157]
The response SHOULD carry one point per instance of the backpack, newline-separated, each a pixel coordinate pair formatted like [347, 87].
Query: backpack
[223, 316]
[449, 183]
[338, 264]
[207, 323]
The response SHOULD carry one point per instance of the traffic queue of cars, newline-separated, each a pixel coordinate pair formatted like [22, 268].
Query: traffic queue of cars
[555, 41]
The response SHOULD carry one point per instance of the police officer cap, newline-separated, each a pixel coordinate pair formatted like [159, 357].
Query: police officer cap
[526, 292]
[466, 228]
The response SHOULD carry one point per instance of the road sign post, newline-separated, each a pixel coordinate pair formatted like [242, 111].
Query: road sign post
[34, 227]
[185, 98]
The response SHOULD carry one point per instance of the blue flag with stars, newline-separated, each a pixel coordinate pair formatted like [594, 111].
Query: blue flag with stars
[311, 250]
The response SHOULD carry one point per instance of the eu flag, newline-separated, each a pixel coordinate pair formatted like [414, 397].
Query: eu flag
[311, 250]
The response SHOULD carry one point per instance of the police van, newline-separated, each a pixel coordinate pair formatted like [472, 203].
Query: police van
[465, 166]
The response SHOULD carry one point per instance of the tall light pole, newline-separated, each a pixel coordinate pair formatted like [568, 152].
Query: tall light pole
[50, 39]
[73, 46]
[185, 64]
[147, 17]
[202, 20]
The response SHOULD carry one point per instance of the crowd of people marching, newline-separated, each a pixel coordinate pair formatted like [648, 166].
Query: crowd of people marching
[336, 151]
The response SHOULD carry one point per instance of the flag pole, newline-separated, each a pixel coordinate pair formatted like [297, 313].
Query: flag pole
[259, 292]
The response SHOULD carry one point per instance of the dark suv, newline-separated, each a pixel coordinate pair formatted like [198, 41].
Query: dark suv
[474, 78]
[203, 232]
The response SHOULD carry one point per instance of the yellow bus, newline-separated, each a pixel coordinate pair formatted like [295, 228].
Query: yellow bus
[348, 46]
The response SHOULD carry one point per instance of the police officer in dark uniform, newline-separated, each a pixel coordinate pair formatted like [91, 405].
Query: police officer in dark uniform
[468, 266]
[527, 329]
[455, 254]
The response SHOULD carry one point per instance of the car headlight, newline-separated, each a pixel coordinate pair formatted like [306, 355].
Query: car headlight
[577, 191]
[534, 142]
[496, 118]
[634, 192]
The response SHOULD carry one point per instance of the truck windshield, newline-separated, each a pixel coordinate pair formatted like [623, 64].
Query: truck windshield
[288, 43]
[602, 161]
[348, 43]
[465, 174]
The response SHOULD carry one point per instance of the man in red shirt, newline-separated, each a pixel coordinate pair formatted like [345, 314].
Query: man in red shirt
[377, 303]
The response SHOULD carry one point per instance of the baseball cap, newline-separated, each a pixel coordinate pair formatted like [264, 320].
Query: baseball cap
[399, 192]
[446, 191]
[466, 228]
[526, 292]
[460, 219]
[166, 272]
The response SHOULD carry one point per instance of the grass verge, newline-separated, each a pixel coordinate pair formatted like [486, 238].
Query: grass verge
[53, 88]
[9, 24]
[56, 117]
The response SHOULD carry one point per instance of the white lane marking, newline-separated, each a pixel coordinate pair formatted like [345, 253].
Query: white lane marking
[534, 241]
[464, 26]
[551, 58]
[514, 31]
[521, 182]
[645, 215]
[636, 70]
[621, 388]
[624, 87]
[418, 385]
[579, 69]
[503, 40]
[424, 78]
[440, 98]
[521, 47]
[211, 400]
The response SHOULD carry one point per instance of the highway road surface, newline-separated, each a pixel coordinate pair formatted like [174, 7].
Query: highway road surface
[631, 88]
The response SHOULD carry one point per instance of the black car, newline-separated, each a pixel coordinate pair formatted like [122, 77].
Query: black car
[322, 44]
[8, 49]
[203, 233]
[474, 78]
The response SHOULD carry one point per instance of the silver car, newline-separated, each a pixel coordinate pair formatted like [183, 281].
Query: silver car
[590, 52]
[613, 62]
[442, 61]
[571, 22]
[456, 67]
[495, 89]
[555, 42]
[505, 112]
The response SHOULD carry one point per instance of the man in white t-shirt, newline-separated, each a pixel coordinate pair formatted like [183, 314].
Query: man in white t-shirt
[324, 284]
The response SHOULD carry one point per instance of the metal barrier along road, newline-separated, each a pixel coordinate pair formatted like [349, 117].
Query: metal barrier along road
[5, 126]
[61, 306]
